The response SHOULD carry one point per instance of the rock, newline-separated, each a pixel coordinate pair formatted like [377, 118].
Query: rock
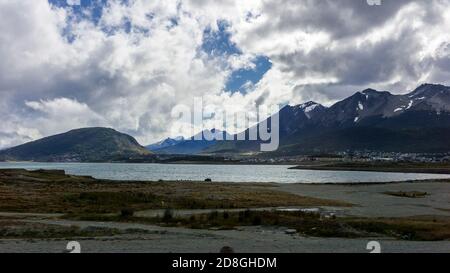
[54, 172]
[290, 231]
[226, 249]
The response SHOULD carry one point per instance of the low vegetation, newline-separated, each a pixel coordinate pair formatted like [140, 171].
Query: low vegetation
[305, 223]
[13, 229]
[55, 192]
[85, 198]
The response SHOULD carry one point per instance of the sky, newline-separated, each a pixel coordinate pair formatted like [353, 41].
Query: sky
[126, 64]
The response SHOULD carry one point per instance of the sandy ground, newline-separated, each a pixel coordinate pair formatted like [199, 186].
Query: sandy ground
[369, 201]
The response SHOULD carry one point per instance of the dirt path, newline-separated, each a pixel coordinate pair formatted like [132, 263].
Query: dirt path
[243, 240]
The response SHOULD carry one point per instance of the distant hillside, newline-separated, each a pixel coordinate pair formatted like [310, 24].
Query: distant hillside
[80, 145]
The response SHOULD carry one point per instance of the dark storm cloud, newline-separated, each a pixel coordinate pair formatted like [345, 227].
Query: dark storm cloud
[341, 18]
[368, 46]
[358, 66]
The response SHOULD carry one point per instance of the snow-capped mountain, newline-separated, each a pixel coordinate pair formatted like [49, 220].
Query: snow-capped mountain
[429, 97]
[368, 120]
[168, 142]
[192, 145]
[310, 108]
[375, 120]
[370, 104]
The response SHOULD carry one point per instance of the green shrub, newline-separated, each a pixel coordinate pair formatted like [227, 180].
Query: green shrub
[226, 215]
[256, 220]
[127, 212]
[213, 215]
[168, 215]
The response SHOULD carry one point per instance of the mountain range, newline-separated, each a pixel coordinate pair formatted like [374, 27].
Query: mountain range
[369, 120]
[165, 143]
[190, 146]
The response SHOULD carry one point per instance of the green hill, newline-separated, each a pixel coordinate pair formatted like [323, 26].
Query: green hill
[80, 145]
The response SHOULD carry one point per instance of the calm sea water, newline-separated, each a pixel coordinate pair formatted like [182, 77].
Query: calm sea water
[224, 173]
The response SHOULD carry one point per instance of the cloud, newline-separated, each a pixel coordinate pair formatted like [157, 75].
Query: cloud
[338, 47]
[127, 66]
[74, 114]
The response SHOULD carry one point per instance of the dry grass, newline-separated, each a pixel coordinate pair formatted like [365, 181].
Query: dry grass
[86, 198]
[46, 192]
[14, 229]
[426, 228]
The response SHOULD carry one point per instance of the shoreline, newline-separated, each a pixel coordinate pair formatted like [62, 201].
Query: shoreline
[442, 180]
[407, 168]
[231, 183]
[380, 170]
[425, 177]
[318, 166]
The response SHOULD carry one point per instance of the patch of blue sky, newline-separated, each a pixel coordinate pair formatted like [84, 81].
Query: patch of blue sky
[242, 79]
[217, 43]
[85, 9]
[80, 10]
[173, 22]
[92, 10]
